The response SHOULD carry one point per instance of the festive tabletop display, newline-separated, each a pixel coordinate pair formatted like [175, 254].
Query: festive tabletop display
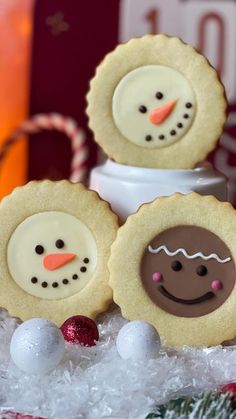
[55, 243]
[156, 102]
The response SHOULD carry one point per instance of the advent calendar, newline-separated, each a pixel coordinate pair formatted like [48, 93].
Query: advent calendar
[208, 25]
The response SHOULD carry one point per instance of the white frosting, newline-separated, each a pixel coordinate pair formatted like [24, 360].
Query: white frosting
[45, 229]
[187, 255]
[139, 87]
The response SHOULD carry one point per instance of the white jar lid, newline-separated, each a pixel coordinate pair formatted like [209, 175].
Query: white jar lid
[128, 187]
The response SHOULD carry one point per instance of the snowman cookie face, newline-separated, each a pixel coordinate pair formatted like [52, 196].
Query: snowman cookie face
[173, 265]
[52, 255]
[154, 106]
[156, 102]
[55, 243]
[188, 271]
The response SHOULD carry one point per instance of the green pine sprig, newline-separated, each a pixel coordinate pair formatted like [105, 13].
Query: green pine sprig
[209, 406]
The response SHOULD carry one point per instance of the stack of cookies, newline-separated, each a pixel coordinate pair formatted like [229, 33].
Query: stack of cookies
[157, 108]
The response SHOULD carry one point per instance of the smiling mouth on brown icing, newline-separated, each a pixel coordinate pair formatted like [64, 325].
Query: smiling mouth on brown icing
[204, 297]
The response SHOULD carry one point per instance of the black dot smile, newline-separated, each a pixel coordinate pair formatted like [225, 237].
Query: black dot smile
[55, 284]
[197, 300]
[59, 243]
[172, 132]
[188, 105]
[65, 281]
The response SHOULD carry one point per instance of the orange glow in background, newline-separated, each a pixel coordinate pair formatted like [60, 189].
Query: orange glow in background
[15, 51]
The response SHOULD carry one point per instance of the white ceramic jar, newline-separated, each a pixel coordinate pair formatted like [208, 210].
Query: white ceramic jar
[128, 187]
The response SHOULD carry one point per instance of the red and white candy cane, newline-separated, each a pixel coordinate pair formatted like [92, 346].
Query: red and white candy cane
[55, 121]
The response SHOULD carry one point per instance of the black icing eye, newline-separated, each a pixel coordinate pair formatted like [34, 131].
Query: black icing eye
[39, 249]
[142, 109]
[159, 95]
[59, 244]
[176, 265]
[201, 270]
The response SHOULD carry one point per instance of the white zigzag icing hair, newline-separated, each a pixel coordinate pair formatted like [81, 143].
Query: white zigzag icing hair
[187, 255]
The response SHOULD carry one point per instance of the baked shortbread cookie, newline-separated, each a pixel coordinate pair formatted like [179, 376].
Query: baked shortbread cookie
[173, 265]
[55, 243]
[156, 102]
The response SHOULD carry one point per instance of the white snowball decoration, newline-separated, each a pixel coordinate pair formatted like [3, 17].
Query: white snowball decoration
[138, 340]
[37, 346]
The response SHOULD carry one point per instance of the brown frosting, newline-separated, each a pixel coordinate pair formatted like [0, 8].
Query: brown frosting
[184, 285]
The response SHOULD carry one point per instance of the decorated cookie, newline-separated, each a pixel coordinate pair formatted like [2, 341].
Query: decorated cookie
[55, 242]
[173, 265]
[156, 102]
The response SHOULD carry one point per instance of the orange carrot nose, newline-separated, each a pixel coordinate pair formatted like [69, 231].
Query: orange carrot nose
[57, 260]
[158, 115]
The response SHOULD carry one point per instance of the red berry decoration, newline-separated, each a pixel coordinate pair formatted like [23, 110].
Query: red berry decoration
[80, 329]
[229, 388]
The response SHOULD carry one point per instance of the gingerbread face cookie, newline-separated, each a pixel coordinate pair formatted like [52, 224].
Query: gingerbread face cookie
[175, 263]
[152, 103]
[186, 277]
[55, 250]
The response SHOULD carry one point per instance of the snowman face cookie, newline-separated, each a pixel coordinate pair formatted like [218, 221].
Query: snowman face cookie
[55, 243]
[156, 102]
[154, 106]
[173, 265]
[52, 255]
[186, 277]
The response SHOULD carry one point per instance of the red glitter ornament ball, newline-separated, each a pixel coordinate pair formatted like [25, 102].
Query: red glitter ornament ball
[229, 388]
[80, 329]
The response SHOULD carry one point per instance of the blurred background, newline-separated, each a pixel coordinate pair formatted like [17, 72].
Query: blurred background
[49, 51]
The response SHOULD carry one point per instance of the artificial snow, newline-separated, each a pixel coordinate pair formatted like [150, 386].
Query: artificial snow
[95, 383]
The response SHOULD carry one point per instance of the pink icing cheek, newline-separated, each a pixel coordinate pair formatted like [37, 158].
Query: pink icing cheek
[216, 285]
[157, 277]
